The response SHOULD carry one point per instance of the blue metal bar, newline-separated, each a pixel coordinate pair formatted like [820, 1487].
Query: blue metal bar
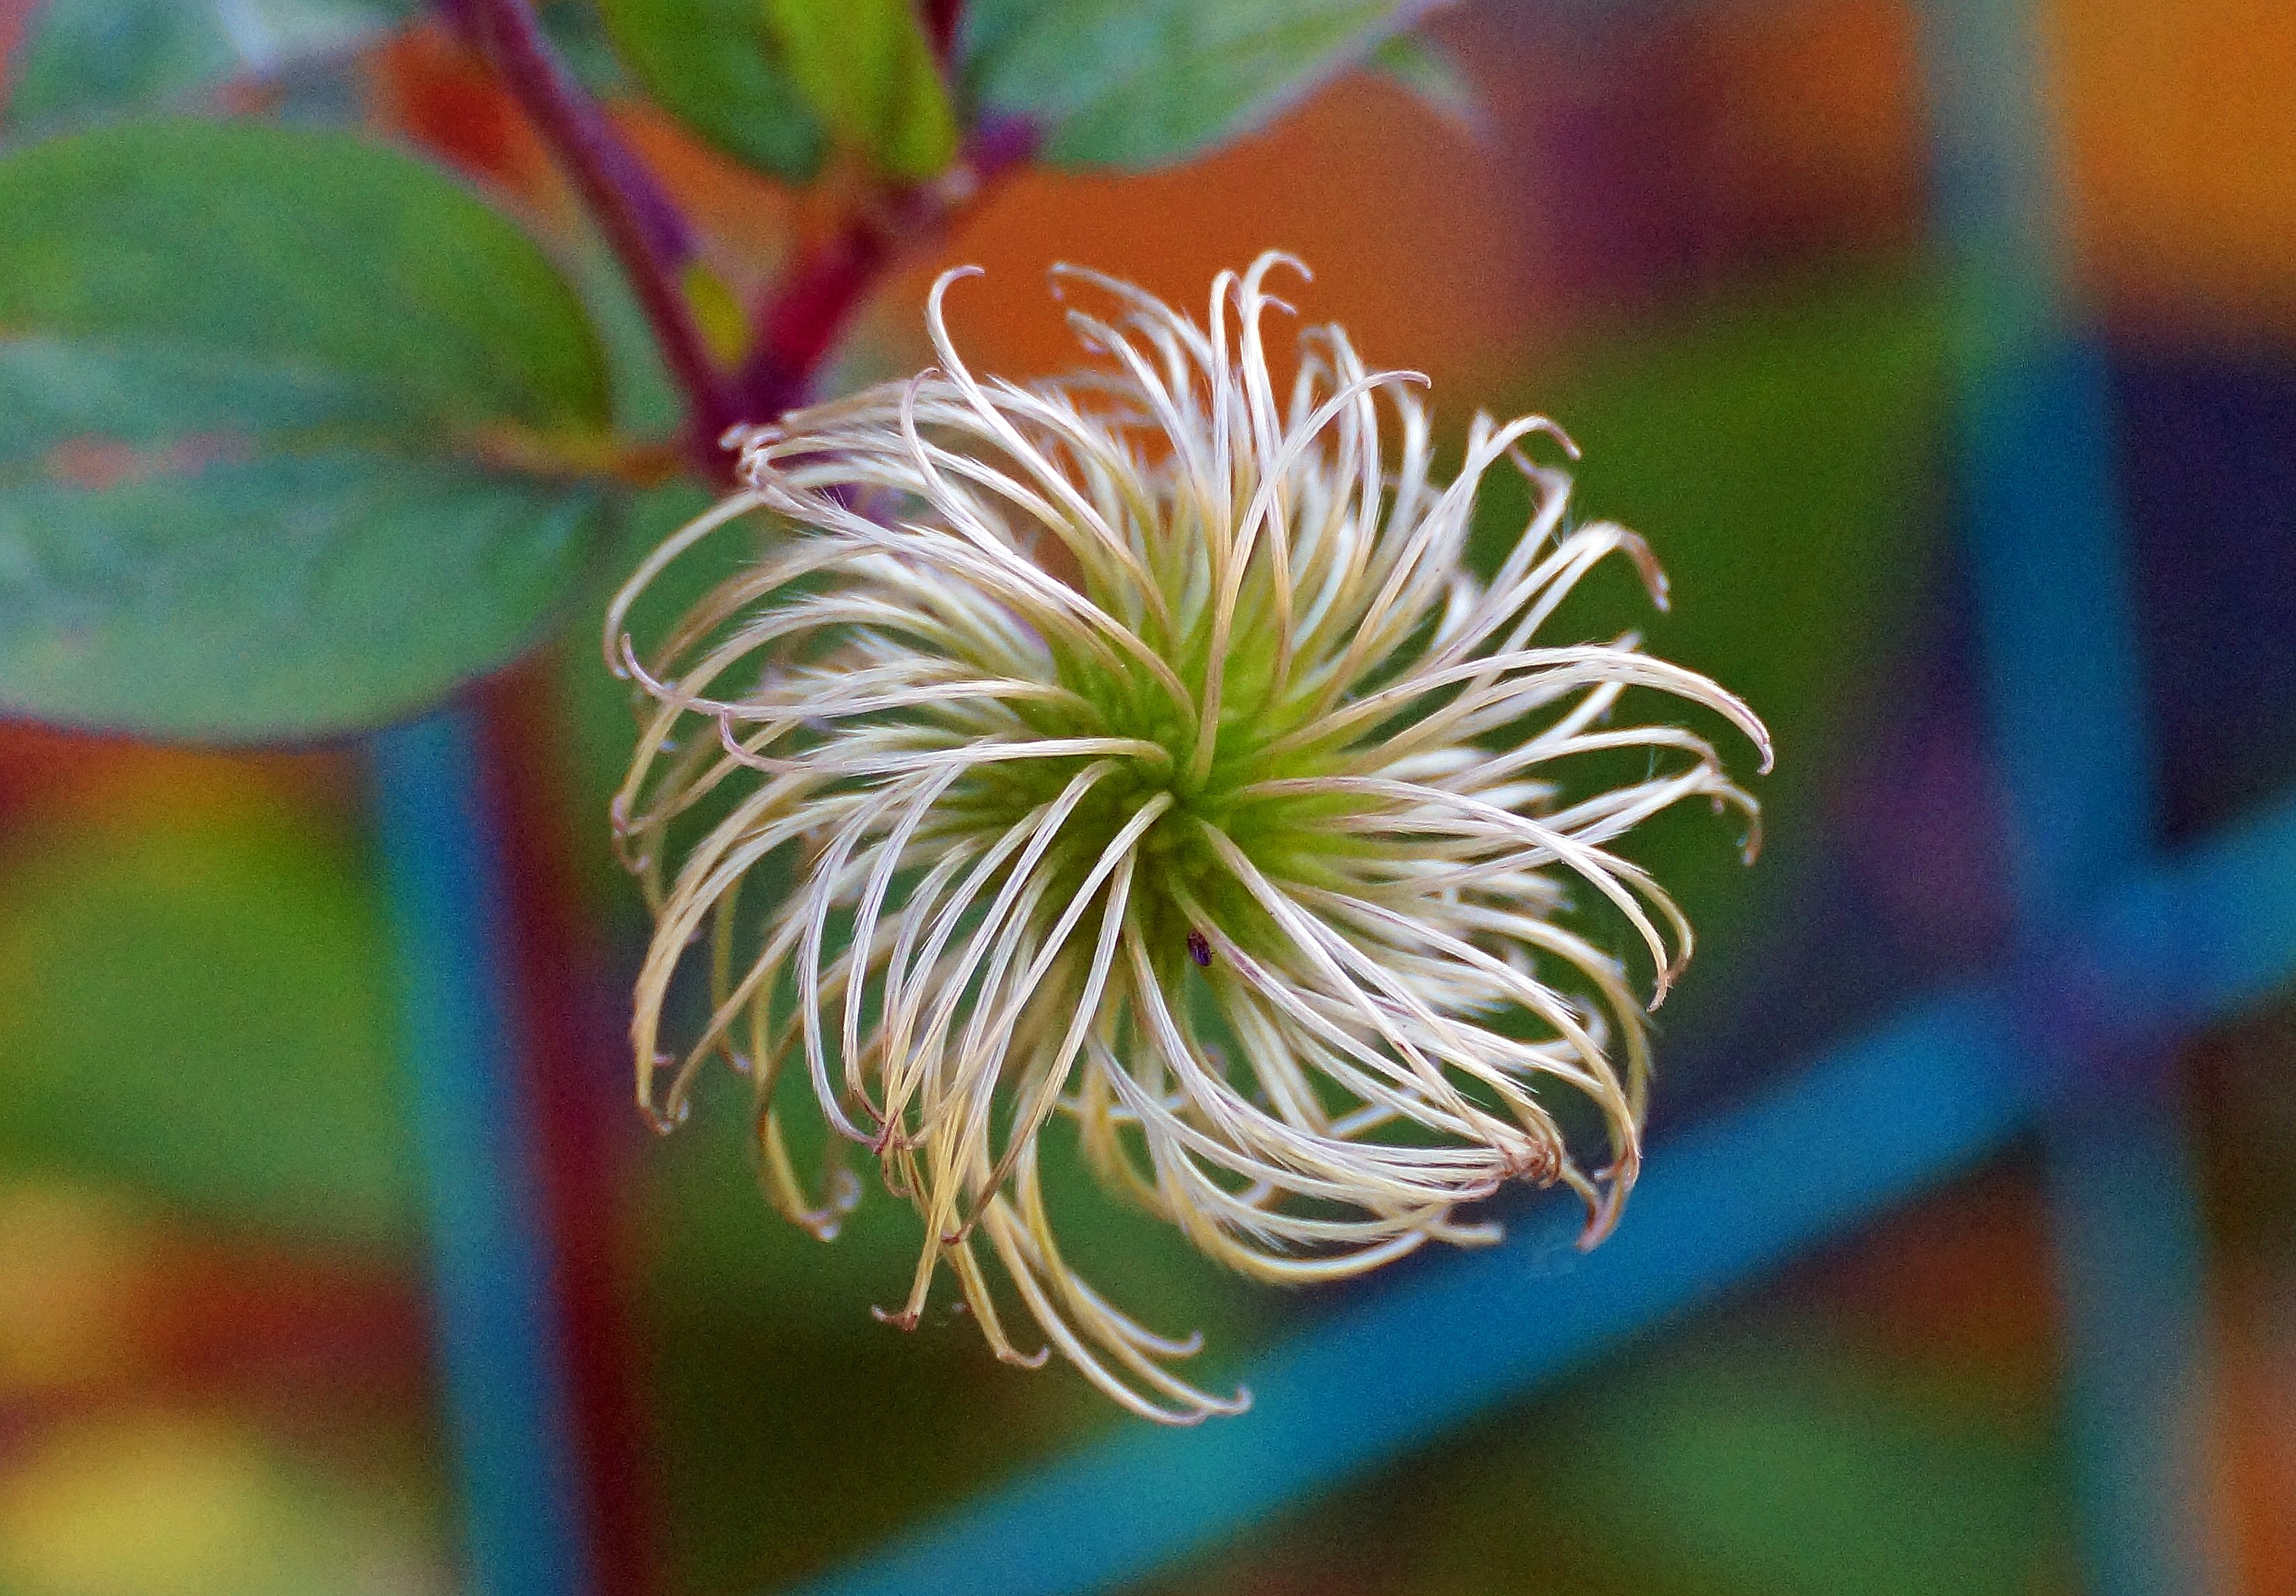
[2059, 628]
[2036, 459]
[496, 1328]
[1868, 1126]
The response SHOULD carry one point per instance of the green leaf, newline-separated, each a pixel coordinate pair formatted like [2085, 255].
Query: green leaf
[715, 66]
[85, 59]
[316, 250]
[261, 396]
[189, 1005]
[1139, 84]
[1799, 1470]
[578, 32]
[868, 68]
[1430, 74]
[1775, 449]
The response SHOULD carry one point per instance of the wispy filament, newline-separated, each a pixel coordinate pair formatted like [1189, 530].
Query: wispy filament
[1140, 751]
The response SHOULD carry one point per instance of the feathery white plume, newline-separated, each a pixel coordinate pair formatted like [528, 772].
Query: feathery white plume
[1145, 754]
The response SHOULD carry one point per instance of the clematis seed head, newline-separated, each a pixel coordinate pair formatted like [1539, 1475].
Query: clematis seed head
[1138, 752]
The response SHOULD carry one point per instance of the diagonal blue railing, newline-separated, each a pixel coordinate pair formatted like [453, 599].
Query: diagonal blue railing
[2120, 954]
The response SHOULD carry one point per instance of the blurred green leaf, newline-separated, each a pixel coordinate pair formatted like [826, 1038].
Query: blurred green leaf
[1777, 450]
[315, 251]
[868, 68]
[193, 1005]
[1431, 74]
[87, 59]
[276, 410]
[576, 31]
[1798, 1471]
[715, 66]
[1741, 1456]
[646, 400]
[1137, 84]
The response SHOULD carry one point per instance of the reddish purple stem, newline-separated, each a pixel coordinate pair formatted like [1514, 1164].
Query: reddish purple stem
[642, 225]
[942, 17]
[800, 320]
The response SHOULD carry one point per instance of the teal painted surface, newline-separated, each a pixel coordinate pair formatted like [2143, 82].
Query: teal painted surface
[495, 1321]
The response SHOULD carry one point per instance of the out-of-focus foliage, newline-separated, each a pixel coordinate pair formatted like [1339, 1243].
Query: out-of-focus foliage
[1754, 1464]
[865, 67]
[285, 415]
[192, 1004]
[299, 434]
[85, 59]
[1794, 1471]
[1136, 84]
[1775, 452]
[717, 66]
[174, 1505]
[1424, 68]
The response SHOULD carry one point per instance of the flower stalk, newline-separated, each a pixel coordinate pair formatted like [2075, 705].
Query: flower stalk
[798, 320]
[648, 235]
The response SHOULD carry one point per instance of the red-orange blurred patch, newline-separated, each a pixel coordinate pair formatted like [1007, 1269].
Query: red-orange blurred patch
[428, 86]
[109, 1303]
[1960, 1278]
[13, 15]
[99, 464]
[1392, 207]
[71, 774]
[2260, 1453]
[1815, 133]
[292, 1326]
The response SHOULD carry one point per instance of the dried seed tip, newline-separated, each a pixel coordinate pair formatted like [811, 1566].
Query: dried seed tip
[1050, 679]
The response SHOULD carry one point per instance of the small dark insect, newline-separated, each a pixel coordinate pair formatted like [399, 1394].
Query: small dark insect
[1199, 949]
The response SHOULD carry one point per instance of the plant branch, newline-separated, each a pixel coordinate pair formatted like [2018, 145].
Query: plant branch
[798, 320]
[941, 20]
[647, 233]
